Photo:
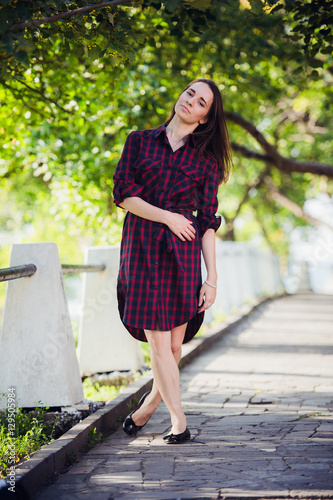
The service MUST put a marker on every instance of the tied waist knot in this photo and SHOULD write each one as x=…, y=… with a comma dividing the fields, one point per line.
x=173, y=243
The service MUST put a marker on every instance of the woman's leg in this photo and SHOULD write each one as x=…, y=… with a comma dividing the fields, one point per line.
x=165, y=348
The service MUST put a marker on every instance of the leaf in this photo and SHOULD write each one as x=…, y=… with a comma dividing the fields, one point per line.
x=111, y=18
x=256, y=7
x=22, y=57
x=19, y=78
x=200, y=4
x=315, y=63
x=3, y=24
x=171, y=5
x=327, y=50
x=276, y=8
x=315, y=75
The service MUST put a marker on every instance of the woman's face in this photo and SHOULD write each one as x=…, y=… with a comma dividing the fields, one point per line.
x=194, y=103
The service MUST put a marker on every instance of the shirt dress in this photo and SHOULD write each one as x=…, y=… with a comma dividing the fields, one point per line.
x=160, y=275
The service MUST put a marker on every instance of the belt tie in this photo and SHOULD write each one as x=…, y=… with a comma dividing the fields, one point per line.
x=172, y=241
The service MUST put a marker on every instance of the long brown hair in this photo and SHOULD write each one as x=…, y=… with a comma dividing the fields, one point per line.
x=211, y=137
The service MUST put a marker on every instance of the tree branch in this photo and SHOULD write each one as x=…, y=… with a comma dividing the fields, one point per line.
x=70, y=13
x=276, y=195
x=252, y=129
x=230, y=220
x=248, y=153
x=17, y=95
x=272, y=156
x=44, y=97
x=265, y=232
x=255, y=185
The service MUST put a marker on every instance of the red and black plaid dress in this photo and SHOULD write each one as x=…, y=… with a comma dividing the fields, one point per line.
x=160, y=275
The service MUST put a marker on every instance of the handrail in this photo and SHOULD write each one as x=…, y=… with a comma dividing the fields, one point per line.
x=12, y=273
x=71, y=269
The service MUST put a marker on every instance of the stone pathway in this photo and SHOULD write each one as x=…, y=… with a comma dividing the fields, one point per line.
x=260, y=409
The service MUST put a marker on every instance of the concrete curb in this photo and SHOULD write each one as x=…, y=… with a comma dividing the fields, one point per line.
x=46, y=463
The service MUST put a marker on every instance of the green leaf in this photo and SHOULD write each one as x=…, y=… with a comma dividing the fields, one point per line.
x=3, y=24
x=22, y=56
x=171, y=5
x=315, y=63
x=256, y=7
x=200, y=4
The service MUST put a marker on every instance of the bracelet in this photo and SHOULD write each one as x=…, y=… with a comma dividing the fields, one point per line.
x=210, y=284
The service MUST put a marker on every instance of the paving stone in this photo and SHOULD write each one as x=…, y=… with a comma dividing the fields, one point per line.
x=259, y=406
x=131, y=478
x=124, y=464
x=71, y=478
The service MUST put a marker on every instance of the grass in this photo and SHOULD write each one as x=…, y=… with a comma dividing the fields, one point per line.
x=31, y=433
x=94, y=391
x=94, y=438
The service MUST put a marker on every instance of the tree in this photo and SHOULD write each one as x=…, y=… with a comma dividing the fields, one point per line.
x=68, y=114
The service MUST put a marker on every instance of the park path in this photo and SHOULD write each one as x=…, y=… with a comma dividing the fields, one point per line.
x=260, y=409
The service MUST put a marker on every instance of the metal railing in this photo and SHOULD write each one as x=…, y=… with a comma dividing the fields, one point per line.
x=26, y=270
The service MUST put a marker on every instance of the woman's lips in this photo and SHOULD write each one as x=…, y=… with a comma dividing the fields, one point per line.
x=186, y=109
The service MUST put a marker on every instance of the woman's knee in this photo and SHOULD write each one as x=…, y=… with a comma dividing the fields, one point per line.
x=176, y=345
x=177, y=337
x=159, y=342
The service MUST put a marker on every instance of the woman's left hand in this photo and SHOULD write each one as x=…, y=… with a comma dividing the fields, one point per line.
x=207, y=297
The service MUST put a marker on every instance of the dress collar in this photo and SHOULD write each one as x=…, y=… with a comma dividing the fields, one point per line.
x=162, y=128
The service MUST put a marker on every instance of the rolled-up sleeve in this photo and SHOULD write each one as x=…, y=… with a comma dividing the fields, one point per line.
x=123, y=179
x=206, y=215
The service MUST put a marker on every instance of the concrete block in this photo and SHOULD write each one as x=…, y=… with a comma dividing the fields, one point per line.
x=37, y=348
x=104, y=344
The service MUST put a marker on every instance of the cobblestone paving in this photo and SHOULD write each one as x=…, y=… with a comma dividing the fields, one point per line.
x=259, y=407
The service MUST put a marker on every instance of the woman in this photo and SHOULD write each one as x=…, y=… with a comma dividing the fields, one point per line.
x=162, y=178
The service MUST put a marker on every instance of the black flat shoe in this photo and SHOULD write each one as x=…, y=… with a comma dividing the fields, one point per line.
x=178, y=438
x=129, y=425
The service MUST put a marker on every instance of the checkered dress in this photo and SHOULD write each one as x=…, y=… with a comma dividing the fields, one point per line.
x=160, y=275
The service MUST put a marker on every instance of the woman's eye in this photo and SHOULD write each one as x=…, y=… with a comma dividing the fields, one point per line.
x=201, y=104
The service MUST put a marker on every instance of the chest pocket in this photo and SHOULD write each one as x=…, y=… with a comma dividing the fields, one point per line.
x=193, y=175
x=146, y=164
x=147, y=171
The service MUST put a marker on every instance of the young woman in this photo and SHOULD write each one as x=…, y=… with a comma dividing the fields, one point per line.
x=167, y=179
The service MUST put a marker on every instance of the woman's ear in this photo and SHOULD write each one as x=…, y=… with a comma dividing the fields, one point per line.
x=203, y=120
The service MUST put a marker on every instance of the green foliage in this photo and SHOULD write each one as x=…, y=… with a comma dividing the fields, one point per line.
x=105, y=32
x=146, y=353
x=94, y=437
x=92, y=78
x=311, y=24
x=71, y=458
x=30, y=434
x=97, y=392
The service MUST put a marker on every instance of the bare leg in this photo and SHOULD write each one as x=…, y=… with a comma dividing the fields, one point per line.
x=171, y=342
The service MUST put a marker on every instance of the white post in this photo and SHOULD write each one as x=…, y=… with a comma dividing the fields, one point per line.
x=304, y=284
x=255, y=271
x=243, y=266
x=37, y=348
x=279, y=288
x=104, y=343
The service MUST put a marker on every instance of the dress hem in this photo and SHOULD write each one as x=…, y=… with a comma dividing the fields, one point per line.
x=193, y=325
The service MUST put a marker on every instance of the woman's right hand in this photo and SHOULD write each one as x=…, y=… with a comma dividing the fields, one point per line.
x=180, y=226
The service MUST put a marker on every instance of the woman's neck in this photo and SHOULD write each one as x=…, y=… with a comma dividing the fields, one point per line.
x=177, y=129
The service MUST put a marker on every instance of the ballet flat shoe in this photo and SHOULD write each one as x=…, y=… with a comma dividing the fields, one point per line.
x=129, y=425
x=178, y=438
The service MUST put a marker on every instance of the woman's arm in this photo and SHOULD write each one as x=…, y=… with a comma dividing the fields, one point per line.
x=207, y=293
x=179, y=225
